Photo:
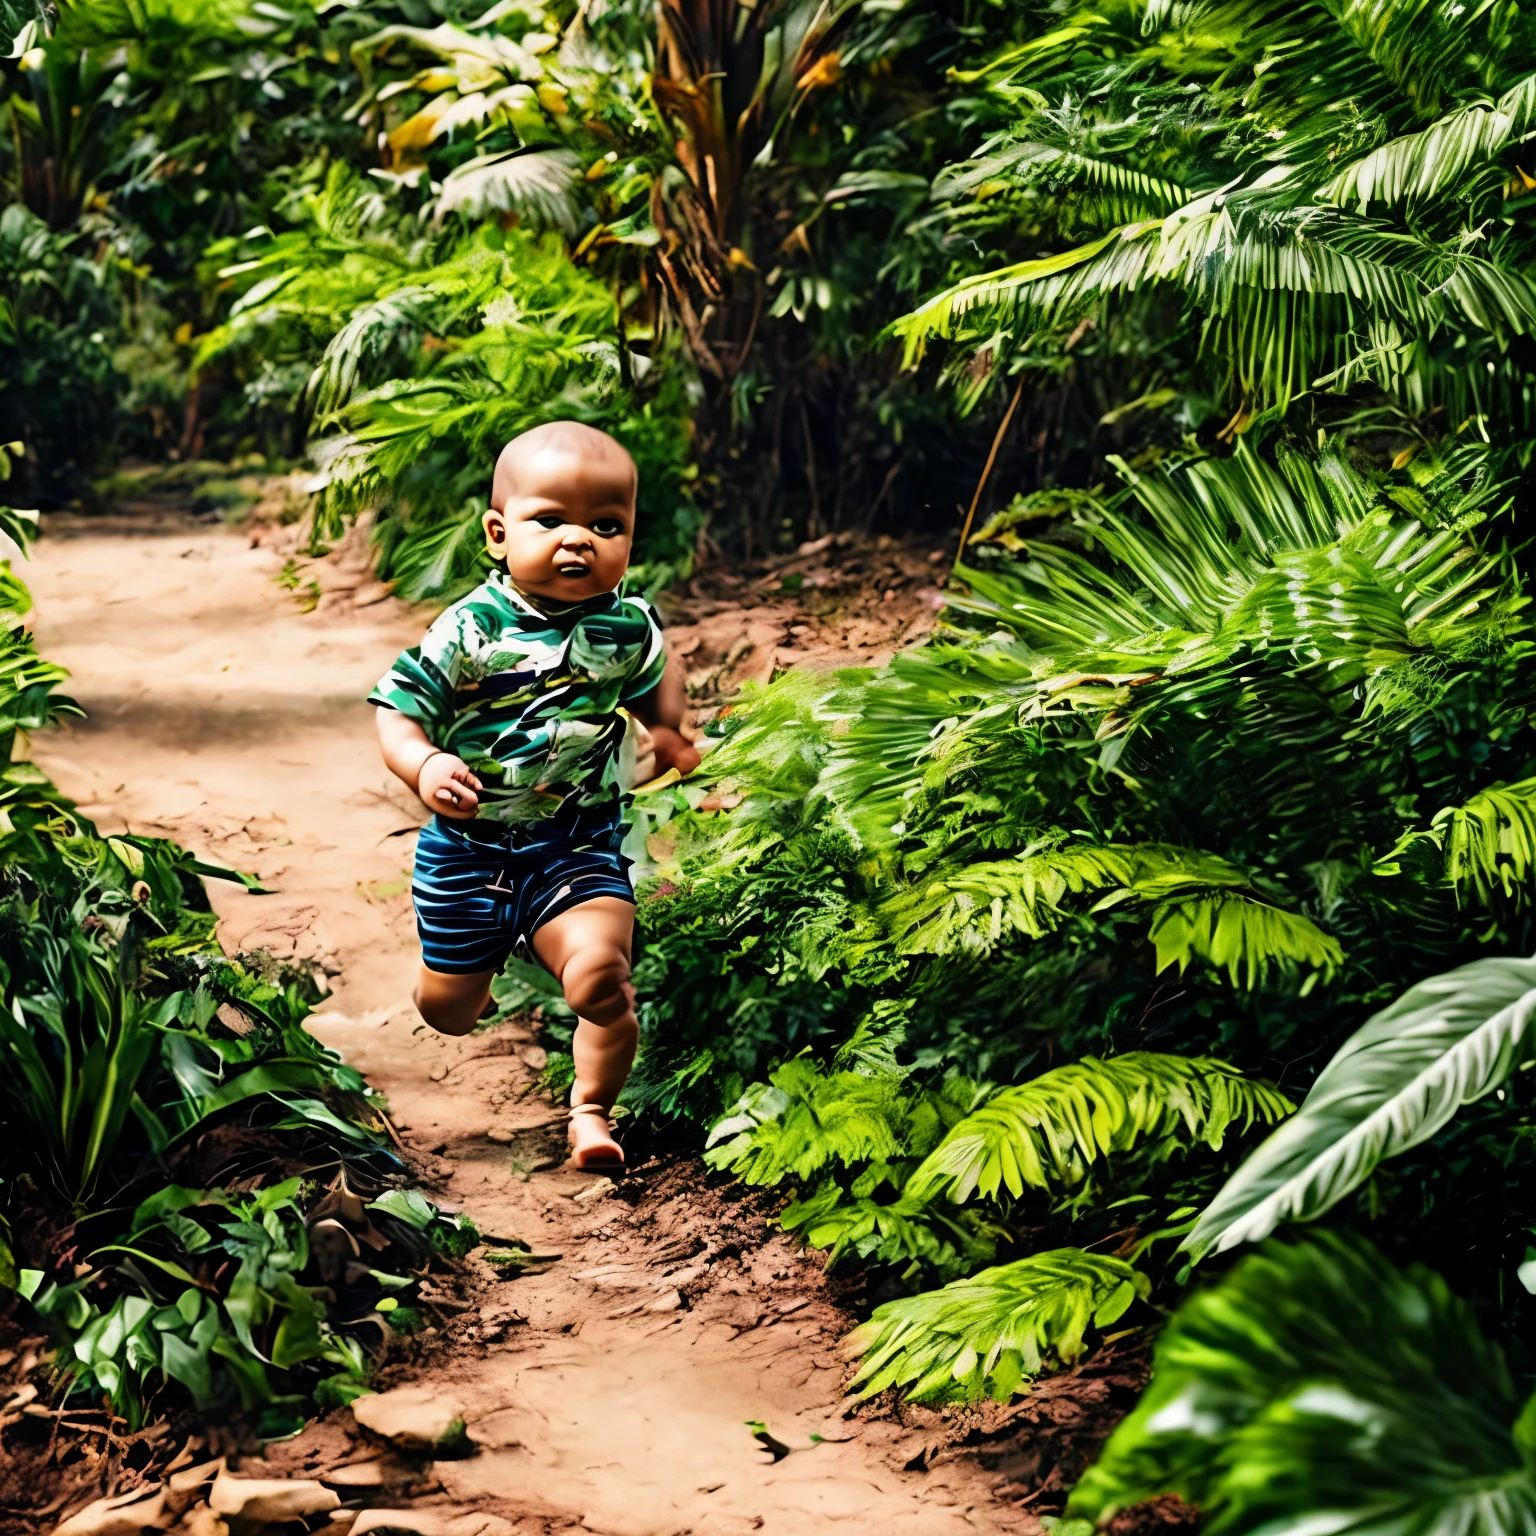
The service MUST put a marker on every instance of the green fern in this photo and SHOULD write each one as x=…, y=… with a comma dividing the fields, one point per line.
x=989, y=1335
x=1048, y=1134
x=971, y=909
x=1490, y=841
x=803, y=1121
x=912, y=1235
x=1242, y=936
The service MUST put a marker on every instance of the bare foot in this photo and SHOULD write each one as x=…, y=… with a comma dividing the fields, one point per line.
x=592, y=1143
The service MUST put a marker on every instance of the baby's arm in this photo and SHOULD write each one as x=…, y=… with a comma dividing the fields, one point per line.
x=442, y=780
x=661, y=712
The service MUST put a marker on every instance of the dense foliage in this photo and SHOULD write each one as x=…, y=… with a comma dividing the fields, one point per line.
x=156, y=1099
x=1174, y=893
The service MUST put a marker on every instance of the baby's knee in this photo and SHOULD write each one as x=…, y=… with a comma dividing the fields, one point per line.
x=448, y=1015
x=597, y=986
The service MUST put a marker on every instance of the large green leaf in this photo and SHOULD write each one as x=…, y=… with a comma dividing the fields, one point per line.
x=1392, y=1085
x=1319, y=1389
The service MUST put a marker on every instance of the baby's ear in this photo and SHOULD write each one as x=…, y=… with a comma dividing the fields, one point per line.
x=495, y=526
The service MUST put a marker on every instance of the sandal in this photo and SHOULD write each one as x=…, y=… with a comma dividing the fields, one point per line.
x=598, y=1158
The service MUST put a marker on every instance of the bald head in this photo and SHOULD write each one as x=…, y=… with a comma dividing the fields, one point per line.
x=531, y=457
x=562, y=514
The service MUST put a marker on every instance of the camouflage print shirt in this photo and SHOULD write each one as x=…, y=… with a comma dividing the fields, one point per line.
x=528, y=696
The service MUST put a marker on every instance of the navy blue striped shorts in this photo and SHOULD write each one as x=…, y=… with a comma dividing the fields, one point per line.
x=542, y=869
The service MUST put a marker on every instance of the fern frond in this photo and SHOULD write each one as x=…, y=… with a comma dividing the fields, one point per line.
x=1423, y=165
x=1047, y=1134
x=989, y=1335
x=971, y=909
x=1245, y=937
x=905, y=1231
x=802, y=1121
x=1490, y=841
x=1029, y=163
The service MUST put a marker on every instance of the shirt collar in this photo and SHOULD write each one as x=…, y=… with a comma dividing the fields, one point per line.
x=548, y=607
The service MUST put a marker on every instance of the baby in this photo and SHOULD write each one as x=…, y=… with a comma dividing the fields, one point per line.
x=505, y=721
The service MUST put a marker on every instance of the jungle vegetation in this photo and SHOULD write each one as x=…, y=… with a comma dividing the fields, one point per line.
x=1174, y=896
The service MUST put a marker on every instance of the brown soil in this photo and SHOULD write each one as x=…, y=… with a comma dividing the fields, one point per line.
x=613, y=1391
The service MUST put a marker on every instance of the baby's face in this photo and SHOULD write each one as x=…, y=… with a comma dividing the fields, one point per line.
x=567, y=523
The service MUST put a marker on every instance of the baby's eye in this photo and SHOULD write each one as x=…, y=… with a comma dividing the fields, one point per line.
x=607, y=527
x=549, y=521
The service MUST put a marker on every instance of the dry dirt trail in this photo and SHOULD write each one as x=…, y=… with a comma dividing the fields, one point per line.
x=608, y=1394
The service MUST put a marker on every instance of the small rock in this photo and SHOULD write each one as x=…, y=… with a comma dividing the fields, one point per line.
x=250, y=1502
x=128, y=1514
x=534, y=1057
x=361, y=1474
x=413, y=1419
x=595, y=1191
x=668, y=1301
x=499, y=1134
x=438, y=1073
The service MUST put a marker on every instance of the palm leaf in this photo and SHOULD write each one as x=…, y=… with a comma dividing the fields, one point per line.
x=1427, y=164
x=538, y=185
x=988, y=1335
x=1318, y=1388
x=1241, y=935
x=1490, y=841
x=1402, y=1076
x=1047, y=1134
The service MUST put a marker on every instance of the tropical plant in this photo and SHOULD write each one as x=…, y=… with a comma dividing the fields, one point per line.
x=1328, y=198
x=1397, y=1081
x=989, y=1335
x=126, y=1035
x=1318, y=1384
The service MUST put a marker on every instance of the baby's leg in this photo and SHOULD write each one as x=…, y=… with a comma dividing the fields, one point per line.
x=587, y=948
x=451, y=1003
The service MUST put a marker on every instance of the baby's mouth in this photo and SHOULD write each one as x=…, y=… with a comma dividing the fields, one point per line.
x=572, y=570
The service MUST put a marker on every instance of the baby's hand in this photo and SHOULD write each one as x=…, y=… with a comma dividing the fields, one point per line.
x=446, y=786
x=673, y=750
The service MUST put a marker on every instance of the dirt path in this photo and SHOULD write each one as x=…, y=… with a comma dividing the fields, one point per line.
x=609, y=1394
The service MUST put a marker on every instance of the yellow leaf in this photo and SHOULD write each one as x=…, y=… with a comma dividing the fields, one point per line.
x=552, y=98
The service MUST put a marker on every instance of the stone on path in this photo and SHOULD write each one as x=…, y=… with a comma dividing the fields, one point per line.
x=129, y=1514
x=251, y=1502
x=414, y=1419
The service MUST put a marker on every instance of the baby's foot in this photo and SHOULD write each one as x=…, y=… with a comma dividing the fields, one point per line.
x=592, y=1143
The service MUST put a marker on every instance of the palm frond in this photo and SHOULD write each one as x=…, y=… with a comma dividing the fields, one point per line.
x=1047, y=1134
x=374, y=332
x=1427, y=164
x=538, y=185
x=1490, y=841
x=1317, y=1386
x=989, y=1335
x=1241, y=935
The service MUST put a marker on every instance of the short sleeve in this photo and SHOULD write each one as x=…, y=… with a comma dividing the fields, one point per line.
x=651, y=658
x=421, y=683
